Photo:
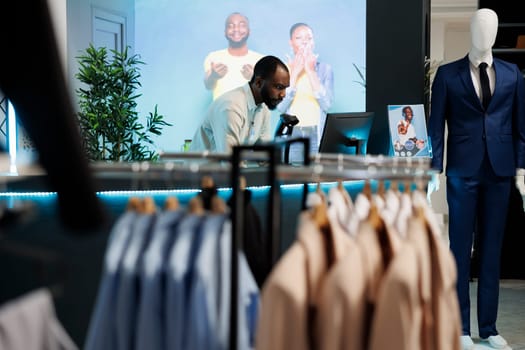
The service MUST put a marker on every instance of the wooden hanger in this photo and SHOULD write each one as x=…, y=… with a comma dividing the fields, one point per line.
x=218, y=205
x=319, y=215
x=319, y=190
x=340, y=186
x=148, y=206
x=208, y=191
x=367, y=189
x=134, y=204
x=381, y=188
x=384, y=240
x=195, y=206
x=394, y=185
x=421, y=185
x=407, y=187
x=171, y=204
x=419, y=212
x=207, y=182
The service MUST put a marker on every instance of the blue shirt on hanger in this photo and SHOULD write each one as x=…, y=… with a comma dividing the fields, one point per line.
x=128, y=290
x=179, y=266
x=150, y=332
x=204, y=288
x=101, y=335
x=248, y=295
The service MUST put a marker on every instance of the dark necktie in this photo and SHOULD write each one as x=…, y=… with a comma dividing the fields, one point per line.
x=485, y=85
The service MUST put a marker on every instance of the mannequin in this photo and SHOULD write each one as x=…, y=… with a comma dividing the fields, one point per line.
x=483, y=30
x=485, y=145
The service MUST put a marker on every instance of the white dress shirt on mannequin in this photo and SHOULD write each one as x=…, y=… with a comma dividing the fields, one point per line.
x=483, y=30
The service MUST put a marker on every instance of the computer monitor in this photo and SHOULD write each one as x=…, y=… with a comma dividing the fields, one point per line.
x=346, y=133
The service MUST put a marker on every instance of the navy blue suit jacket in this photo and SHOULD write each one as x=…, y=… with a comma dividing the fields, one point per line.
x=501, y=128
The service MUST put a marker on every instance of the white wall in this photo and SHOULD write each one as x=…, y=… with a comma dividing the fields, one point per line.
x=79, y=28
x=58, y=10
x=449, y=31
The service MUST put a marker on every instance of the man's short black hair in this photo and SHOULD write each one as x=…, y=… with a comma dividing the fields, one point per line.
x=266, y=67
x=406, y=108
x=235, y=13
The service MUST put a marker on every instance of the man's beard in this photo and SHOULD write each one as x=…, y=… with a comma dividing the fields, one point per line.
x=237, y=44
x=270, y=103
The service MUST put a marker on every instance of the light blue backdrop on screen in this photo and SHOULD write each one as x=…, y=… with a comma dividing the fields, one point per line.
x=174, y=36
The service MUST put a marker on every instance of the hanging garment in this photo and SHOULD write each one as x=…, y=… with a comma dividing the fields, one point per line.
x=340, y=206
x=254, y=240
x=151, y=333
x=166, y=281
x=360, y=212
x=445, y=306
x=29, y=323
x=351, y=288
x=128, y=293
x=181, y=257
x=404, y=214
x=392, y=205
x=248, y=292
x=290, y=296
x=416, y=304
x=101, y=334
x=402, y=317
x=203, y=316
x=343, y=305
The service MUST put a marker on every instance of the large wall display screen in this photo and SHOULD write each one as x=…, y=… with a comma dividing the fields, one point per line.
x=173, y=38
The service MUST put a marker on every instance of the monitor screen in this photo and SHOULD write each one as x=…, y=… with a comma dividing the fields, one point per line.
x=346, y=133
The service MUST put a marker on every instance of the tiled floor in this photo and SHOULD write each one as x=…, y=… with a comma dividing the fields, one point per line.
x=511, y=314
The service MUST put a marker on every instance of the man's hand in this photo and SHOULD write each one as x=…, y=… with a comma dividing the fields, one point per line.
x=247, y=71
x=401, y=129
x=433, y=185
x=218, y=70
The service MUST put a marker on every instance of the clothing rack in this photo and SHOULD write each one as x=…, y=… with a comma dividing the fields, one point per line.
x=321, y=167
x=270, y=152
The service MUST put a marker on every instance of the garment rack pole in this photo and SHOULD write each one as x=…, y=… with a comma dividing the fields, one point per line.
x=273, y=153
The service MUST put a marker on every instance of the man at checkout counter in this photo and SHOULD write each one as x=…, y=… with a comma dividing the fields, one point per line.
x=242, y=115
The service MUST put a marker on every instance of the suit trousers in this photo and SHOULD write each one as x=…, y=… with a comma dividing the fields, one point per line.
x=483, y=198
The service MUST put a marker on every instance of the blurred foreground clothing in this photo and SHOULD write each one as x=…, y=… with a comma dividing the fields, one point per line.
x=30, y=323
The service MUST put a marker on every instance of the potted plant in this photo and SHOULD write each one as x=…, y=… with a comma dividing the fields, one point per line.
x=109, y=122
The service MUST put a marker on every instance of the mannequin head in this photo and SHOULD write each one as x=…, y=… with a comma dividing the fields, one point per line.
x=483, y=30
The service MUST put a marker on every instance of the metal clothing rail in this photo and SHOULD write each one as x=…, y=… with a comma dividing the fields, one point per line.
x=322, y=172
x=157, y=170
x=166, y=174
x=338, y=167
x=366, y=160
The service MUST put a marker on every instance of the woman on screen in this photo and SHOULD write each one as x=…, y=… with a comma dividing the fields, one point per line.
x=310, y=94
